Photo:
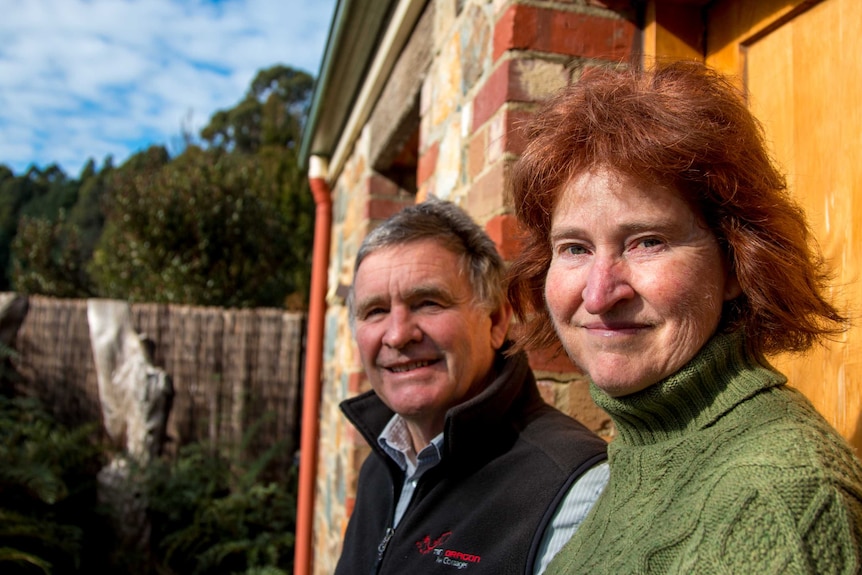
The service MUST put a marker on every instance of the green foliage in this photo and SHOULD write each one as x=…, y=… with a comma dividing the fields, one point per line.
x=52, y=192
x=228, y=225
x=47, y=490
x=87, y=217
x=47, y=258
x=41, y=250
x=213, y=515
x=34, y=194
x=208, y=228
x=271, y=113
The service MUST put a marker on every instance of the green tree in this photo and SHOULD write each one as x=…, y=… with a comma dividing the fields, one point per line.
x=87, y=215
x=55, y=227
x=47, y=259
x=271, y=113
x=15, y=193
x=207, y=228
x=51, y=192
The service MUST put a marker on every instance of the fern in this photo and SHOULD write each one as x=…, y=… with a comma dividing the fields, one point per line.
x=213, y=515
x=43, y=467
x=9, y=555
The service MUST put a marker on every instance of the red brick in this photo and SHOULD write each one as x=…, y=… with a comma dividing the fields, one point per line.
x=510, y=27
x=355, y=382
x=552, y=360
x=582, y=407
x=476, y=153
x=516, y=130
x=381, y=186
x=509, y=83
x=492, y=95
x=506, y=235
x=382, y=208
x=487, y=194
x=591, y=36
x=427, y=163
x=563, y=32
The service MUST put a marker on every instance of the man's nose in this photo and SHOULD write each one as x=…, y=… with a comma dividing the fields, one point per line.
x=401, y=329
x=607, y=284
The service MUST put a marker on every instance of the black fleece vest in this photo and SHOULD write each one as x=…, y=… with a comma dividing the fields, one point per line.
x=508, y=460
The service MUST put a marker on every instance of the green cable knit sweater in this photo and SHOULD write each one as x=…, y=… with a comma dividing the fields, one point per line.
x=721, y=468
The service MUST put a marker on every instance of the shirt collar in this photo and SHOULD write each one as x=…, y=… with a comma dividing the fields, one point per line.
x=395, y=440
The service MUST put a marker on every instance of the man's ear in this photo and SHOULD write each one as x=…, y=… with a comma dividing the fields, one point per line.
x=500, y=324
x=732, y=289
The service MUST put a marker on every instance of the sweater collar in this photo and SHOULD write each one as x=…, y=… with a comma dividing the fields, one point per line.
x=721, y=375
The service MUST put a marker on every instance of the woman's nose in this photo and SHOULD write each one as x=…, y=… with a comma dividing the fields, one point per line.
x=607, y=284
x=401, y=329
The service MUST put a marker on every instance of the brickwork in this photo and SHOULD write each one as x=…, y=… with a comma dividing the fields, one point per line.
x=490, y=62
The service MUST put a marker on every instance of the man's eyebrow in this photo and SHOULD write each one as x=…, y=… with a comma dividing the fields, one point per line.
x=369, y=302
x=428, y=290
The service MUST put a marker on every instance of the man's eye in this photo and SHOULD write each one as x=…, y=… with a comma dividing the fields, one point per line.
x=371, y=312
x=650, y=243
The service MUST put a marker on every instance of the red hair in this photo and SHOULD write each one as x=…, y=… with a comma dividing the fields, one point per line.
x=687, y=128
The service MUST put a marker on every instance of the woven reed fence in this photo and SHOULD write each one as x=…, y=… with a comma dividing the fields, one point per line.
x=232, y=370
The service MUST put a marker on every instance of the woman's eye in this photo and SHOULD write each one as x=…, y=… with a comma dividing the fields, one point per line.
x=573, y=249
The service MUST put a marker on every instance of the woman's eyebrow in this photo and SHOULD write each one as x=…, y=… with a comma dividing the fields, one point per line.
x=634, y=227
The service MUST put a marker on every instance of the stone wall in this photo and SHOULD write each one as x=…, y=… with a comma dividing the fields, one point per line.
x=488, y=63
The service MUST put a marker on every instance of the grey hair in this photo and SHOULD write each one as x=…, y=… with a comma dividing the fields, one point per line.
x=454, y=229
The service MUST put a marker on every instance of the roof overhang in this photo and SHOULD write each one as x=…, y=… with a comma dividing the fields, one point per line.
x=355, y=33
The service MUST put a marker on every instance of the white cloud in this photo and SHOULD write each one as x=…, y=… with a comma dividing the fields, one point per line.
x=88, y=78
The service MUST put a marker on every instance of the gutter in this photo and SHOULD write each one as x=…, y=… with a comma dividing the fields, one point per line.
x=398, y=31
x=312, y=387
x=324, y=76
x=354, y=39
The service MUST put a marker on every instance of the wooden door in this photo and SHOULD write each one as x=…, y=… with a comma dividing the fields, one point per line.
x=800, y=64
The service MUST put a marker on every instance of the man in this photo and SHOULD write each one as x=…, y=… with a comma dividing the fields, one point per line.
x=470, y=469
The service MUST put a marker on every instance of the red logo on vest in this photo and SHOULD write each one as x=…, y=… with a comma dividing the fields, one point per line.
x=425, y=546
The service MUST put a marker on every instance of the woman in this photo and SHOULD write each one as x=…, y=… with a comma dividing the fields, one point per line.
x=667, y=257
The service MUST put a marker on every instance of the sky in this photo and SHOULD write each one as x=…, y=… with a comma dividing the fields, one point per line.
x=83, y=79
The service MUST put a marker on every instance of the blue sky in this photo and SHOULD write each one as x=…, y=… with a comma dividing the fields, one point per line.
x=92, y=78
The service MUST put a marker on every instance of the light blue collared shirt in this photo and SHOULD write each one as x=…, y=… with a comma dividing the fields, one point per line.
x=571, y=513
x=395, y=440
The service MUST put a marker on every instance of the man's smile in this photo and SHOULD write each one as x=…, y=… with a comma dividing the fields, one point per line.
x=409, y=366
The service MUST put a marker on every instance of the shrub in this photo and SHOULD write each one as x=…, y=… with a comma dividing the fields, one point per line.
x=47, y=490
x=213, y=515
